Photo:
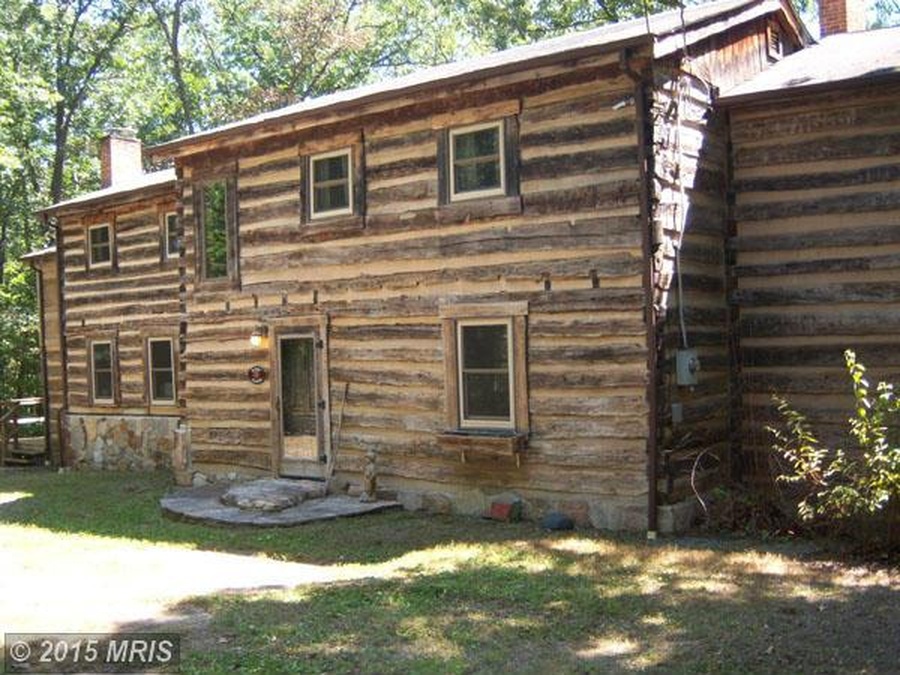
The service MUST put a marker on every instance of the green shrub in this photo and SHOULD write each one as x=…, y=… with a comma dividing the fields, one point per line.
x=855, y=490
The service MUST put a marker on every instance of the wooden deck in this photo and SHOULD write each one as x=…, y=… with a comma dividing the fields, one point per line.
x=20, y=422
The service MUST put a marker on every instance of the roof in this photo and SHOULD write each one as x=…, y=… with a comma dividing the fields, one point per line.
x=40, y=253
x=838, y=59
x=665, y=34
x=121, y=191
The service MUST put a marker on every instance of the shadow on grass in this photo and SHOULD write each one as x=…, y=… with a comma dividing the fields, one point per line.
x=502, y=617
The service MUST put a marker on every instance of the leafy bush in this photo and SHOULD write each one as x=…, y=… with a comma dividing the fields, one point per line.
x=852, y=490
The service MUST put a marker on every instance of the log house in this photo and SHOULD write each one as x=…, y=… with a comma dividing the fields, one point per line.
x=501, y=275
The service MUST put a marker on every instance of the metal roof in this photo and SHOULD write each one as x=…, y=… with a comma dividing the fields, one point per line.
x=665, y=33
x=122, y=190
x=842, y=58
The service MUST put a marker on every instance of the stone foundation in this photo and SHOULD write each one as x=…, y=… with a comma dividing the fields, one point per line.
x=120, y=442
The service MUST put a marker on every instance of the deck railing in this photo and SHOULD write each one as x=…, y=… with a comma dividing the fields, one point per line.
x=15, y=415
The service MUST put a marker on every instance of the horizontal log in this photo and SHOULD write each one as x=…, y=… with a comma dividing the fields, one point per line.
x=246, y=458
x=884, y=173
x=579, y=163
x=877, y=235
x=817, y=119
x=580, y=133
x=847, y=322
x=873, y=355
x=837, y=148
x=888, y=200
x=606, y=196
x=881, y=291
x=823, y=265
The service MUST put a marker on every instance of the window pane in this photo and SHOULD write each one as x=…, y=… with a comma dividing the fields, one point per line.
x=486, y=395
x=100, y=245
x=163, y=385
x=481, y=143
x=171, y=234
x=485, y=347
x=215, y=238
x=102, y=356
x=330, y=168
x=298, y=386
x=161, y=354
x=331, y=198
x=103, y=385
x=477, y=176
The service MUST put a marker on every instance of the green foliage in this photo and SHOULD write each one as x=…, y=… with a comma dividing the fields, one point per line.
x=19, y=350
x=835, y=485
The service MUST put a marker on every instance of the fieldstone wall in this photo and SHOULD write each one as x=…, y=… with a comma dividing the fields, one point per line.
x=122, y=442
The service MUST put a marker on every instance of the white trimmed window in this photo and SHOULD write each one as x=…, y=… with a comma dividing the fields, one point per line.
x=331, y=184
x=99, y=245
x=477, y=161
x=486, y=374
x=161, y=370
x=171, y=244
x=102, y=370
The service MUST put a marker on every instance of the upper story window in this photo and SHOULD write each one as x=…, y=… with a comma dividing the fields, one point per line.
x=171, y=244
x=99, y=245
x=215, y=209
x=161, y=370
x=331, y=184
x=480, y=162
x=477, y=161
x=215, y=231
x=102, y=372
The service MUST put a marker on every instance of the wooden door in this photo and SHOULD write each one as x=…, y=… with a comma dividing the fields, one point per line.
x=300, y=407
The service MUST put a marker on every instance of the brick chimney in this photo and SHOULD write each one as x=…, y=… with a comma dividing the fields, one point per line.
x=120, y=157
x=841, y=16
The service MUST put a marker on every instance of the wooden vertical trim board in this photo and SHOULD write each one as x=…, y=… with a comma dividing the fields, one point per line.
x=451, y=381
x=442, y=139
x=520, y=378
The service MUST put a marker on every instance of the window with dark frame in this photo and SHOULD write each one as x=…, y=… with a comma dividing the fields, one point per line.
x=331, y=184
x=214, y=227
x=161, y=367
x=171, y=244
x=485, y=374
x=102, y=387
x=477, y=161
x=99, y=245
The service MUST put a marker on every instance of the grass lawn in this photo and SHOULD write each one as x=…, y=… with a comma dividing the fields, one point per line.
x=401, y=592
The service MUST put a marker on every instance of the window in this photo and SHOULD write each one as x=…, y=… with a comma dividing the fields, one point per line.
x=102, y=381
x=476, y=161
x=485, y=367
x=215, y=231
x=171, y=244
x=331, y=184
x=215, y=209
x=485, y=374
x=99, y=246
x=161, y=370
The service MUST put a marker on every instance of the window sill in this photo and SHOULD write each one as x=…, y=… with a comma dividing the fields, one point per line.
x=484, y=442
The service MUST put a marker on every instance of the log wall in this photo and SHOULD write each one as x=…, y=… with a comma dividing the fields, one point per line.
x=569, y=244
x=817, y=211
x=135, y=298
x=690, y=222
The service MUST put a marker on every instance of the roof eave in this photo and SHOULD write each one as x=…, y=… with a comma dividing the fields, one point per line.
x=183, y=146
x=125, y=196
x=808, y=90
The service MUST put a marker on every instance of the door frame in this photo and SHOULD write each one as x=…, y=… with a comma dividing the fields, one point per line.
x=303, y=326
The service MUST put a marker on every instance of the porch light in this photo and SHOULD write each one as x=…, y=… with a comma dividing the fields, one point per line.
x=259, y=338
